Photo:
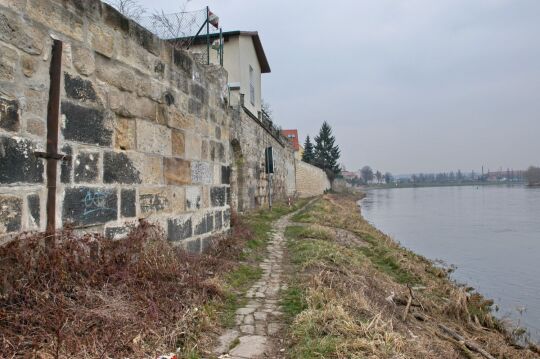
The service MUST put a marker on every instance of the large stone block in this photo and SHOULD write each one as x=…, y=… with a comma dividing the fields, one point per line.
x=183, y=61
x=199, y=93
x=144, y=38
x=225, y=174
x=179, y=228
x=193, y=198
x=10, y=214
x=18, y=162
x=217, y=151
x=102, y=39
x=178, y=143
x=115, y=74
x=153, y=138
x=128, y=203
x=201, y=172
x=218, y=221
x=86, y=167
x=34, y=210
x=87, y=125
x=30, y=65
x=57, y=17
x=153, y=201
x=36, y=127
x=14, y=31
x=119, y=168
x=66, y=166
x=125, y=134
x=84, y=61
x=205, y=224
x=8, y=63
x=193, y=146
x=79, y=89
x=177, y=171
x=218, y=196
x=83, y=206
x=129, y=105
x=9, y=115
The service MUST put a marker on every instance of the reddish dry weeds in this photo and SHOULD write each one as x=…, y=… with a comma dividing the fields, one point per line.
x=87, y=296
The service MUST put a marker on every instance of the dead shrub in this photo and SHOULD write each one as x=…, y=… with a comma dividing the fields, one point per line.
x=83, y=295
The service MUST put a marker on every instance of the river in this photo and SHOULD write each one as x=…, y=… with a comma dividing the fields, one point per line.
x=491, y=233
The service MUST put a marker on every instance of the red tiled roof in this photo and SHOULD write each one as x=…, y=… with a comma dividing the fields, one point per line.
x=292, y=135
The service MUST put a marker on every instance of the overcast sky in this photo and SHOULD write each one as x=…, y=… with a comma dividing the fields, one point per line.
x=408, y=86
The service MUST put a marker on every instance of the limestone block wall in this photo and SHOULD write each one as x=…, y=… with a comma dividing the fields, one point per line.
x=310, y=180
x=250, y=138
x=146, y=126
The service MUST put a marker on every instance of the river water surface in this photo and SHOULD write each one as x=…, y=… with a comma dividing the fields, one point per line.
x=491, y=233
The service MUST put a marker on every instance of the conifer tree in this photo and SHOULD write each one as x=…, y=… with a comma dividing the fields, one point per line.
x=326, y=152
x=308, y=155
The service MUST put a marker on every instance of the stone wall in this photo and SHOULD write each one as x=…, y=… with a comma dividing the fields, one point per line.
x=146, y=126
x=310, y=180
x=250, y=137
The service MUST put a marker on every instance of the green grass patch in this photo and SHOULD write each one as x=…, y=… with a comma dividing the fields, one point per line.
x=385, y=260
x=293, y=301
x=243, y=276
x=316, y=252
x=311, y=348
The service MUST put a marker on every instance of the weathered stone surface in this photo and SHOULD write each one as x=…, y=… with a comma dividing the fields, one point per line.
x=183, y=61
x=125, y=134
x=66, y=166
x=251, y=346
x=116, y=233
x=153, y=200
x=87, y=125
x=129, y=105
x=201, y=172
x=86, y=167
x=177, y=119
x=218, y=222
x=194, y=246
x=79, y=89
x=193, y=146
x=205, y=151
x=217, y=196
x=36, y=100
x=56, y=16
x=199, y=93
x=179, y=228
x=29, y=65
x=178, y=147
x=33, y=210
x=88, y=206
x=226, y=218
x=217, y=132
x=128, y=206
x=217, y=151
x=102, y=40
x=15, y=32
x=144, y=38
x=10, y=214
x=18, y=163
x=36, y=127
x=118, y=168
x=8, y=63
x=83, y=60
x=225, y=174
x=153, y=138
x=9, y=115
x=177, y=171
x=115, y=74
x=195, y=107
x=193, y=198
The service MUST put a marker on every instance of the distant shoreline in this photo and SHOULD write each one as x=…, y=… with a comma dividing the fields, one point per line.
x=424, y=185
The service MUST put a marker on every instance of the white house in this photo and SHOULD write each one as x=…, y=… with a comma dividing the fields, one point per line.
x=245, y=61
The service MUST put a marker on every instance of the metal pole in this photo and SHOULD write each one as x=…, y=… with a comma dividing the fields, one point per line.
x=208, y=35
x=270, y=190
x=221, y=46
x=53, y=115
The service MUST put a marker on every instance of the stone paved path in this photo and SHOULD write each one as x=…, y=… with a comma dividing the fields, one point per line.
x=258, y=324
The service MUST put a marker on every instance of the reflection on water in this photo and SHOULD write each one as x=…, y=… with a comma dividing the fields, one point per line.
x=492, y=235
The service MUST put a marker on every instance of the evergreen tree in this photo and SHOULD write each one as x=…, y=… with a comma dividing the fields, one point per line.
x=308, y=155
x=327, y=153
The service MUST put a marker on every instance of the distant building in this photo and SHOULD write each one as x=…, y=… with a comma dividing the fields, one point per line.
x=349, y=175
x=292, y=136
x=245, y=61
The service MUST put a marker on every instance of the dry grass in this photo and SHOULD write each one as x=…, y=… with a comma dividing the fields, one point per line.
x=346, y=289
x=84, y=296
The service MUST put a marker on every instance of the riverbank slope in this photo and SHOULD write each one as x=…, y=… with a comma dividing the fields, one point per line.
x=354, y=292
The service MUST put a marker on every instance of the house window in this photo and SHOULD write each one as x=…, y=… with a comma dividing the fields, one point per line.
x=251, y=86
